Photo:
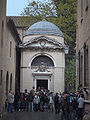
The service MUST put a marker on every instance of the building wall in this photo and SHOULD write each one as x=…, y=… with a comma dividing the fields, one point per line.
x=83, y=38
x=2, y=44
x=7, y=60
x=9, y=65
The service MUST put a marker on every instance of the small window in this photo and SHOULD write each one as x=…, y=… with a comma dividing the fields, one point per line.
x=86, y=5
x=11, y=81
x=2, y=30
x=81, y=11
x=87, y=69
x=1, y=78
x=81, y=69
x=10, y=48
x=81, y=8
x=7, y=80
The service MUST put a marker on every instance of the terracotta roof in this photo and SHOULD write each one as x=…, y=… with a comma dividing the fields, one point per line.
x=23, y=21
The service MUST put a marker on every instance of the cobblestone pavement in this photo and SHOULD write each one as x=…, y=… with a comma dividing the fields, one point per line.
x=31, y=116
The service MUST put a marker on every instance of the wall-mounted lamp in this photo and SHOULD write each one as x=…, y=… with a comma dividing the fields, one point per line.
x=86, y=89
x=66, y=49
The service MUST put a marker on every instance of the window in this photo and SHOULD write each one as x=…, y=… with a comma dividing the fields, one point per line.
x=11, y=81
x=87, y=77
x=2, y=30
x=81, y=8
x=7, y=78
x=81, y=11
x=1, y=78
x=10, y=48
x=42, y=58
x=86, y=5
x=84, y=46
x=81, y=78
x=79, y=66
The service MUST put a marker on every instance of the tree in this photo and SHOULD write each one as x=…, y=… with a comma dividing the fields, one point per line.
x=66, y=19
x=63, y=14
x=39, y=9
x=60, y=12
x=70, y=72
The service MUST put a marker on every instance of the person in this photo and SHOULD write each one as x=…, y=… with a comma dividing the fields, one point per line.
x=6, y=104
x=70, y=106
x=36, y=102
x=59, y=95
x=47, y=101
x=16, y=99
x=64, y=106
x=75, y=107
x=10, y=99
x=25, y=99
x=30, y=99
x=56, y=103
x=51, y=102
x=22, y=101
x=42, y=100
x=39, y=89
x=80, y=107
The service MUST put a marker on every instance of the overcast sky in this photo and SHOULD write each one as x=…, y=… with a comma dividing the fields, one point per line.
x=14, y=7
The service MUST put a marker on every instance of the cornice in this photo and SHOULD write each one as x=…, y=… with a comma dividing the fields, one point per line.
x=44, y=49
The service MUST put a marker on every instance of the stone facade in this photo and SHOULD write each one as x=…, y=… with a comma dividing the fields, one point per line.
x=2, y=39
x=9, y=41
x=83, y=47
x=31, y=49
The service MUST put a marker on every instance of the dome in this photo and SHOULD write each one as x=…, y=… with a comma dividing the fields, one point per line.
x=42, y=28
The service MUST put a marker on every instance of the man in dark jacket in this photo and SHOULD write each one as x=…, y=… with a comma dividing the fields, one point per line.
x=56, y=103
x=64, y=106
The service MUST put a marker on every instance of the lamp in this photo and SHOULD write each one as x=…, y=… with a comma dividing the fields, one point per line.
x=66, y=49
x=86, y=89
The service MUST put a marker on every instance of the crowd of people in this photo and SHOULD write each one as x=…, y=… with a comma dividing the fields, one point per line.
x=70, y=105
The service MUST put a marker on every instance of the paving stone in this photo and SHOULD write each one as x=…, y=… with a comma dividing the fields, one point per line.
x=31, y=116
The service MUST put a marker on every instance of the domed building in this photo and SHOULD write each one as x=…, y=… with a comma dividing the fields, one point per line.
x=43, y=57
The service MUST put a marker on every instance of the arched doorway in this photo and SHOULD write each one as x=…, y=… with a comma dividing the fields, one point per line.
x=43, y=76
x=7, y=78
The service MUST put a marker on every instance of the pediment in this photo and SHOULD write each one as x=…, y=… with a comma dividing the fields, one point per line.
x=42, y=42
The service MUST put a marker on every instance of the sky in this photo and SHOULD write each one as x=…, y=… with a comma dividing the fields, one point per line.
x=14, y=7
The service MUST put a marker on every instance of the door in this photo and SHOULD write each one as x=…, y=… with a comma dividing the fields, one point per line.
x=42, y=83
